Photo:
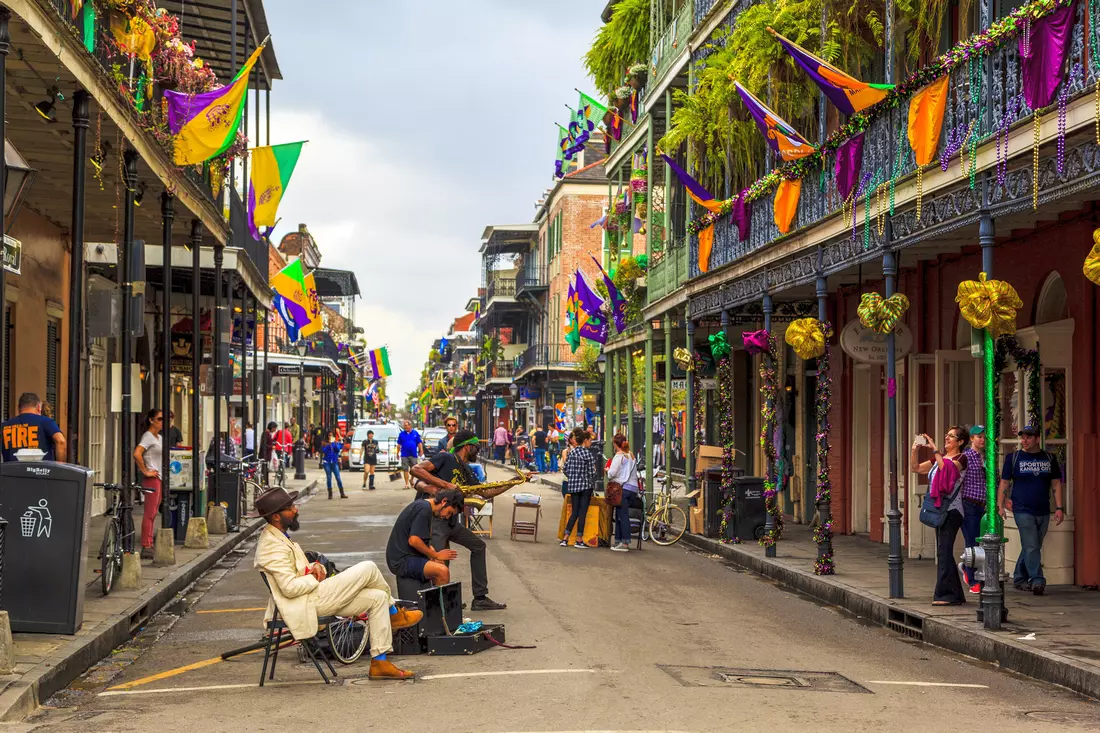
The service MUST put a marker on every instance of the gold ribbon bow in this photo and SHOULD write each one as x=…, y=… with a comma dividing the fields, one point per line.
x=882, y=314
x=683, y=358
x=1092, y=262
x=806, y=337
x=989, y=304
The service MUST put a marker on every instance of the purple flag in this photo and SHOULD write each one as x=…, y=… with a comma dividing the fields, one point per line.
x=741, y=215
x=618, y=302
x=1046, y=50
x=848, y=94
x=594, y=329
x=780, y=136
x=849, y=160
x=586, y=296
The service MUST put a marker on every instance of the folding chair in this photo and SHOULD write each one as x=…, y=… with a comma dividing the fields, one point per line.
x=526, y=527
x=275, y=629
x=477, y=510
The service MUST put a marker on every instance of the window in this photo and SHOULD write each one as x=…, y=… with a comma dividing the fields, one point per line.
x=1053, y=305
x=53, y=344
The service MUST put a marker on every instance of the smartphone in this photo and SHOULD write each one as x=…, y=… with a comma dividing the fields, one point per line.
x=920, y=440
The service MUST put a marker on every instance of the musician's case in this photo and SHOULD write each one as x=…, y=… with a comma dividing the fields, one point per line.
x=451, y=646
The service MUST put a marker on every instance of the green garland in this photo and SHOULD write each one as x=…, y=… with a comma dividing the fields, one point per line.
x=725, y=416
x=769, y=390
x=1029, y=361
x=975, y=47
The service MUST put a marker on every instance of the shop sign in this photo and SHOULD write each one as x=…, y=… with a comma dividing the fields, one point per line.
x=868, y=347
x=13, y=254
x=679, y=384
x=288, y=370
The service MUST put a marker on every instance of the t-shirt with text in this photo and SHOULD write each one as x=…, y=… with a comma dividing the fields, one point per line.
x=30, y=430
x=1031, y=475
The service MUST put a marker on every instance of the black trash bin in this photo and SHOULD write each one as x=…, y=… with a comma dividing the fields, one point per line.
x=48, y=506
x=712, y=501
x=749, y=513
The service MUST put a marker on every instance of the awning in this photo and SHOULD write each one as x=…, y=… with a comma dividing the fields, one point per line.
x=291, y=365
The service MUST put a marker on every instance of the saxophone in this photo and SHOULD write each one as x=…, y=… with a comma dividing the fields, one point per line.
x=491, y=489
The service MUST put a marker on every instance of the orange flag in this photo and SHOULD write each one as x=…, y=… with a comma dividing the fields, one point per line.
x=926, y=119
x=706, y=243
x=786, y=203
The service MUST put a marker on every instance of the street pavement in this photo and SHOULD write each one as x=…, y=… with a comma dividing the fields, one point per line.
x=663, y=639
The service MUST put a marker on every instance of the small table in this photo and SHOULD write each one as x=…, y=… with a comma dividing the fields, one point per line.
x=603, y=516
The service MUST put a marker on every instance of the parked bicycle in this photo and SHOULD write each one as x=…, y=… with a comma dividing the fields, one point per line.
x=666, y=521
x=118, y=538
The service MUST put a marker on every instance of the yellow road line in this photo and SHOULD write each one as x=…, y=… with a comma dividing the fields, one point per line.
x=233, y=610
x=166, y=674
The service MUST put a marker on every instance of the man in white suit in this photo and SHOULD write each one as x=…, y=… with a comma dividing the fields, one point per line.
x=302, y=591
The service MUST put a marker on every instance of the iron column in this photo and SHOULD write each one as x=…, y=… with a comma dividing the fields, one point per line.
x=300, y=445
x=647, y=428
x=824, y=504
x=168, y=216
x=689, y=417
x=126, y=271
x=5, y=45
x=666, y=443
x=216, y=357
x=76, y=274
x=769, y=470
x=991, y=611
x=893, y=516
x=198, y=495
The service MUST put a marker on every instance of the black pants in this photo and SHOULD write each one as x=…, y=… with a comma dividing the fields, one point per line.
x=443, y=531
x=948, y=585
x=580, y=500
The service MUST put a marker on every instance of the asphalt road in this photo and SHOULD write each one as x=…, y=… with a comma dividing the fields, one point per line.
x=664, y=639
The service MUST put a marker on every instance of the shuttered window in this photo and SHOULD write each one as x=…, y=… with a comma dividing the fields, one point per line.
x=7, y=361
x=53, y=344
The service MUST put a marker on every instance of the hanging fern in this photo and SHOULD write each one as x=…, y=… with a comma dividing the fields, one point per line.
x=619, y=44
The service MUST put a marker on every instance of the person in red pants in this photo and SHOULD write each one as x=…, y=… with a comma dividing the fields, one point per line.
x=147, y=455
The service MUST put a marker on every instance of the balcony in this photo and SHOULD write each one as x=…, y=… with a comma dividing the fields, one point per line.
x=948, y=200
x=668, y=273
x=500, y=287
x=545, y=356
x=672, y=42
x=702, y=9
x=500, y=371
x=531, y=279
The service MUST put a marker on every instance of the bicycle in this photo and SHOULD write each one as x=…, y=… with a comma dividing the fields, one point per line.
x=661, y=517
x=118, y=538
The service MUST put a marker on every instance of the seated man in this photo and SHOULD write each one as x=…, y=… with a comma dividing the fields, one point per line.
x=303, y=592
x=408, y=553
x=439, y=474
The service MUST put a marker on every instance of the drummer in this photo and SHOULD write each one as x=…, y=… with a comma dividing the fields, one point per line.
x=440, y=472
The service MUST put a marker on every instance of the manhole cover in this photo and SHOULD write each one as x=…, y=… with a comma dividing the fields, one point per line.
x=788, y=679
x=1053, y=716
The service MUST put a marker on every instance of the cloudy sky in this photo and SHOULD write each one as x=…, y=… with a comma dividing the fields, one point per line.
x=427, y=121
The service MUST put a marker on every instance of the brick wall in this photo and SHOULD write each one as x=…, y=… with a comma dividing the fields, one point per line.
x=580, y=244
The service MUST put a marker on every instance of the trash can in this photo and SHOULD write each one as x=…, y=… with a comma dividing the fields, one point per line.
x=179, y=506
x=749, y=513
x=712, y=501
x=45, y=568
x=229, y=487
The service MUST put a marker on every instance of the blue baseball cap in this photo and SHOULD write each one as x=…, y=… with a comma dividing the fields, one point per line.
x=1029, y=430
x=977, y=430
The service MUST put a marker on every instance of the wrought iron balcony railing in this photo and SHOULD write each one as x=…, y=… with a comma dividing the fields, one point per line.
x=530, y=277
x=546, y=356
x=672, y=41
x=501, y=287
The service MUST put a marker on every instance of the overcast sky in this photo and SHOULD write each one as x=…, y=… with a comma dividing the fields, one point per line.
x=427, y=121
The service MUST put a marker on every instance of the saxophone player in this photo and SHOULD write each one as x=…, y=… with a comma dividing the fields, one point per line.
x=440, y=473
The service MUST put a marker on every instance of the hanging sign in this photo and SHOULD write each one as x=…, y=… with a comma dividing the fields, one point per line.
x=13, y=255
x=868, y=347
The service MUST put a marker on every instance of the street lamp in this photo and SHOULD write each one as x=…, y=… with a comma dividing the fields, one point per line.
x=300, y=444
x=601, y=363
x=513, y=389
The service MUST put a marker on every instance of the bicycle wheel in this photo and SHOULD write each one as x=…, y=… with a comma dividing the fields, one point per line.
x=280, y=476
x=663, y=529
x=108, y=551
x=347, y=638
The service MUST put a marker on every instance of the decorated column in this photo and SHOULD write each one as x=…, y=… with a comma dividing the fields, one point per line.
x=647, y=427
x=823, y=533
x=689, y=418
x=720, y=350
x=769, y=387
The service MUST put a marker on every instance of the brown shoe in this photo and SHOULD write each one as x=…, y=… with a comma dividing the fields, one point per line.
x=384, y=669
x=405, y=618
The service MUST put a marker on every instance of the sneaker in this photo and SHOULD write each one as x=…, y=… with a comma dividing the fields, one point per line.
x=976, y=588
x=580, y=545
x=485, y=603
x=563, y=543
x=962, y=574
x=1022, y=586
x=621, y=547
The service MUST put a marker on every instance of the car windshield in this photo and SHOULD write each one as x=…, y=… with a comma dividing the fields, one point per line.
x=382, y=433
x=434, y=434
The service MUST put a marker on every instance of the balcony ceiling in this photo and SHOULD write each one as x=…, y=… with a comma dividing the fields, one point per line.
x=335, y=283
x=208, y=24
x=48, y=148
x=508, y=239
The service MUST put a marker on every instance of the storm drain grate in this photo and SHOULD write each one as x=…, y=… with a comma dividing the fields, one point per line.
x=906, y=624
x=786, y=679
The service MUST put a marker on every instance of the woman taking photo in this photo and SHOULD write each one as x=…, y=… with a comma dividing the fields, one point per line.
x=624, y=471
x=580, y=481
x=947, y=492
x=147, y=456
x=330, y=460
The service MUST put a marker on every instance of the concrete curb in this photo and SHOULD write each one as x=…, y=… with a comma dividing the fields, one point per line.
x=977, y=643
x=23, y=697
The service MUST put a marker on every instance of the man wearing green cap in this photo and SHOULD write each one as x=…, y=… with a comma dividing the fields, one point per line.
x=440, y=472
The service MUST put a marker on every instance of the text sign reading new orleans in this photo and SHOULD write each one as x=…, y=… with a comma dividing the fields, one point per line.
x=868, y=347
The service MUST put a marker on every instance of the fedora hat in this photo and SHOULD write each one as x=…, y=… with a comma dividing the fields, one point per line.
x=273, y=501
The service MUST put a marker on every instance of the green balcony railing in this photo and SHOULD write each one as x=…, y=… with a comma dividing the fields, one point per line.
x=672, y=42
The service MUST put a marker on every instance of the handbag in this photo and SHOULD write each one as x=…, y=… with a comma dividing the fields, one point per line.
x=934, y=516
x=614, y=494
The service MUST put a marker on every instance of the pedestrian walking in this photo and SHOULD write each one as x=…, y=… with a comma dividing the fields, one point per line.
x=553, y=441
x=624, y=471
x=946, y=472
x=412, y=447
x=540, y=440
x=331, y=463
x=973, y=496
x=249, y=441
x=370, y=459
x=1033, y=473
x=580, y=475
x=500, y=442
x=148, y=455
x=32, y=430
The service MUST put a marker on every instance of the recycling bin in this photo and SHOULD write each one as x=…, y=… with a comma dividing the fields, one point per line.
x=45, y=558
x=749, y=511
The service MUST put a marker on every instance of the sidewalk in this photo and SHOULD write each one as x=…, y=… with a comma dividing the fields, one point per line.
x=1065, y=622
x=46, y=663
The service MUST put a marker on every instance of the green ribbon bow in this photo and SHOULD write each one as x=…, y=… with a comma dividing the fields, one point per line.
x=718, y=346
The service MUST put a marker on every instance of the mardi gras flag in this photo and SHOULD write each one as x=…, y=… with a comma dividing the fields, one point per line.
x=848, y=94
x=205, y=124
x=594, y=329
x=591, y=111
x=267, y=181
x=289, y=284
x=357, y=359
x=572, y=324
x=568, y=144
x=380, y=362
x=284, y=311
x=782, y=138
x=704, y=198
x=616, y=126
x=587, y=299
x=618, y=302
x=561, y=163
x=578, y=127
x=313, y=307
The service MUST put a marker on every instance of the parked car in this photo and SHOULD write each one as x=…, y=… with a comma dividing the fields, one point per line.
x=389, y=455
x=431, y=438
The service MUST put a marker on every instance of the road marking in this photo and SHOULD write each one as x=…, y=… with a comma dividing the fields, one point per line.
x=925, y=684
x=233, y=610
x=113, y=692
x=505, y=673
x=166, y=674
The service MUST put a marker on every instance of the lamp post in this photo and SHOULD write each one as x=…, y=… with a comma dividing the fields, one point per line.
x=300, y=445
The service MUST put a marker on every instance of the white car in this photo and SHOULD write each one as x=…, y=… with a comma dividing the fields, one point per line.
x=389, y=455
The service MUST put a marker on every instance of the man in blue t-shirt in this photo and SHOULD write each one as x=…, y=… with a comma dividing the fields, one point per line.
x=31, y=429
x=1033, y=473
x=412, y=447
